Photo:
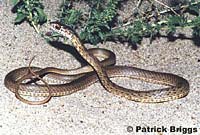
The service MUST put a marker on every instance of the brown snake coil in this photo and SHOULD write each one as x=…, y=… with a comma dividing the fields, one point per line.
x=178, y=87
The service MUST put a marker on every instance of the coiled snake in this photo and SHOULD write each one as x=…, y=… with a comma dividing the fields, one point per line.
x=178, y=87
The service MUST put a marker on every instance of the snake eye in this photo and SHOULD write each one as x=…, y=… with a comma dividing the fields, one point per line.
x=57, y=26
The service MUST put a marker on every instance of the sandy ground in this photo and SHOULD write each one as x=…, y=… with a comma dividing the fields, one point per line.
x=94, y=110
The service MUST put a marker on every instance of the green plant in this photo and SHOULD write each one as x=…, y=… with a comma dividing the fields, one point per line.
x=68, y=15
x=31, y=11
x=101, y=21
x=95, y=24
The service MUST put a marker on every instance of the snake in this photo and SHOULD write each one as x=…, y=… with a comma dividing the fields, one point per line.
x=95, y=70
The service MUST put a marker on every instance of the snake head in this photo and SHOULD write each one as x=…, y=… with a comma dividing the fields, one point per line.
x=64, y=30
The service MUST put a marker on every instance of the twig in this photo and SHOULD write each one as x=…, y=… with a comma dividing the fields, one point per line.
x=126, y=24
x=168, y=10
x=161, y=3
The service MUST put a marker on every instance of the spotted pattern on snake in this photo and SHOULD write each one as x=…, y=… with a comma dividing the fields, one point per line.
x=178, y=87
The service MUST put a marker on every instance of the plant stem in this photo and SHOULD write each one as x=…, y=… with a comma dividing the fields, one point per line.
x=35, y=27
x=32, y=22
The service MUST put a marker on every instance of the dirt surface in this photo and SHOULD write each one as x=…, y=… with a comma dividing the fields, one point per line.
x=94, y=110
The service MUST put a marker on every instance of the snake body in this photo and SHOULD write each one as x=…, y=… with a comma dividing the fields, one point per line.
x=178, y=87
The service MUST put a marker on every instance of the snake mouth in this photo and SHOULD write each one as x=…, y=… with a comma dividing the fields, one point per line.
x=52, y=31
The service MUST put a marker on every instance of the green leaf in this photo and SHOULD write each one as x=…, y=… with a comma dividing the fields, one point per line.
x=20, y=17
x=14, y=2
x=41, y=15
x=101, y=35
x=82, y=35
x=194, y=9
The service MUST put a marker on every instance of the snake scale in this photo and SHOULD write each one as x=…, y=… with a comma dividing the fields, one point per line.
x=96, y=70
